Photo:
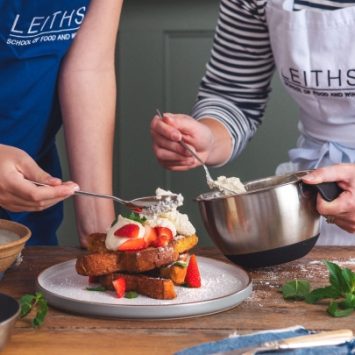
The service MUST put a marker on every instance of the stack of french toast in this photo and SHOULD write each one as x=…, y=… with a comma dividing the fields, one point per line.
x=147, y=255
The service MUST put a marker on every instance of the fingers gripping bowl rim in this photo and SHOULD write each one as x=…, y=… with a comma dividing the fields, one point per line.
x=274, y=222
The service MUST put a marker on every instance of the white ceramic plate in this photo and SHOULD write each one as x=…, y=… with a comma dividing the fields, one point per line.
x=224, y=286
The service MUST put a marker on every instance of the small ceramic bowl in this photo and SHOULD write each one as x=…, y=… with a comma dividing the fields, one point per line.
x=9, y=312
x=13, y=237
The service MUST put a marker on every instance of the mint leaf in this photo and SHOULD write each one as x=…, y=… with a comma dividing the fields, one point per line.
x=131, y=294
x=349, y=301
x=295, y=290
x=340, y=291
x=133, y=216
x=42, y=310
x=321, y=293
x=26, y=304
x=182, y=264
x=335, y=311
x=37, y=301
x=336, y=278
x=136, y=217
x=96, y=288
x=349, y=279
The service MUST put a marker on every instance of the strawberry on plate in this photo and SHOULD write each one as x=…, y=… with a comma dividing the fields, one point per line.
x=120, y=286
x=193, y=277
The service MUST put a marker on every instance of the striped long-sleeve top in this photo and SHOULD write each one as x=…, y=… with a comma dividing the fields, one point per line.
x=236, y=84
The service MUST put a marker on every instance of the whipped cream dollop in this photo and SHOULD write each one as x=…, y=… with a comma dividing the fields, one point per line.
x=231, y=184
x=167, y=201
x=113, y=242
x=171, y=218
x=180, y=221
x=161, y=222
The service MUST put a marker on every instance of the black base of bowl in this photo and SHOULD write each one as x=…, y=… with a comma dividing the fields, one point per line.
x=274, y=256
x=8, y=307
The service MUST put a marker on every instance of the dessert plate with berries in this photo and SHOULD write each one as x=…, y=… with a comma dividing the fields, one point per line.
x=223, y=286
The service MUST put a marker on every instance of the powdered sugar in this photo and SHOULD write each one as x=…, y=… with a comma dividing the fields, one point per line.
x=222, y=284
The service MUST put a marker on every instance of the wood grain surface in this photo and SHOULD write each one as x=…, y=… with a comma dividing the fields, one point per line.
x=64, y=333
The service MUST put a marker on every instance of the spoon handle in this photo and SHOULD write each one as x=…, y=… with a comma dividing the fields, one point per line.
x=191, y=151
x=86, y=193
x=115, y=198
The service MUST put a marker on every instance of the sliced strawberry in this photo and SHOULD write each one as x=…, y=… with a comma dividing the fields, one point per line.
x=130, y=230
x=120, y=286
x=150, y=235
x=133, y=244
x=165, y=235
x=193, y=278
x=164, y=231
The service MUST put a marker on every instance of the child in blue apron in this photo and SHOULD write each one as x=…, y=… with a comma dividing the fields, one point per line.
x=311, y=46
x=56, y=65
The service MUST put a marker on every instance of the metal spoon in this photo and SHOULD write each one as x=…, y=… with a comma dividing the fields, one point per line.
x=210, y=182
x=146, y=203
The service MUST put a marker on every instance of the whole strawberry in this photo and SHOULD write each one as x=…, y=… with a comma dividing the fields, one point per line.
x=193, y=278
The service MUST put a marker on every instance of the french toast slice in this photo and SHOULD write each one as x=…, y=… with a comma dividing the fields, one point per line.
x=182, y=244
x=100, y=263
x=175, y=273
x=153, y=287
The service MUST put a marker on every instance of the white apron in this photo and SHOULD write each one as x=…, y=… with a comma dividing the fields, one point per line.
x=314, y=52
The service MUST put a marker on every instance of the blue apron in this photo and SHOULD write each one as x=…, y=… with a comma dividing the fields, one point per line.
x=34, y=37
x=314, y=55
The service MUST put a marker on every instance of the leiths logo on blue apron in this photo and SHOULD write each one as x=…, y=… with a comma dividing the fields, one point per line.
x=60, y=25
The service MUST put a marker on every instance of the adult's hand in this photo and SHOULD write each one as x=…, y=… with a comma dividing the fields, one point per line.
x=207, y=137
x=17, y=193
x=341, y=211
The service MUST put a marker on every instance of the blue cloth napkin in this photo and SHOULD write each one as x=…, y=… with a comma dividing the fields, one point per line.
x=255, y=339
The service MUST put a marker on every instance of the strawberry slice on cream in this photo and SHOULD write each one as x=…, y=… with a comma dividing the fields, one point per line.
x=164, y=236
x=122, y=231
x=130, y=230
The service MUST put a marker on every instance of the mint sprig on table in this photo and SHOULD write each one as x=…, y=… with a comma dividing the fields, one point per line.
x=340, y=291
x=35, y=302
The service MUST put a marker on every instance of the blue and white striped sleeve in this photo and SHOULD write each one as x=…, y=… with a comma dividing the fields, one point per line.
x=236, y=84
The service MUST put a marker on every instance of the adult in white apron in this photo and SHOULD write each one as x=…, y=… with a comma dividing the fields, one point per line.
x=316, y=64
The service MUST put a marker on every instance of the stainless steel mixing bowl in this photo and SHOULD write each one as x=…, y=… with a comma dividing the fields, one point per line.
x=274, y=222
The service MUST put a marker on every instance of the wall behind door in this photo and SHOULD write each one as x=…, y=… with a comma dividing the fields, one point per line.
x=162, y=52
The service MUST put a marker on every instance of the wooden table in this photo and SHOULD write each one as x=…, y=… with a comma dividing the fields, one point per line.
x=64, y=333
